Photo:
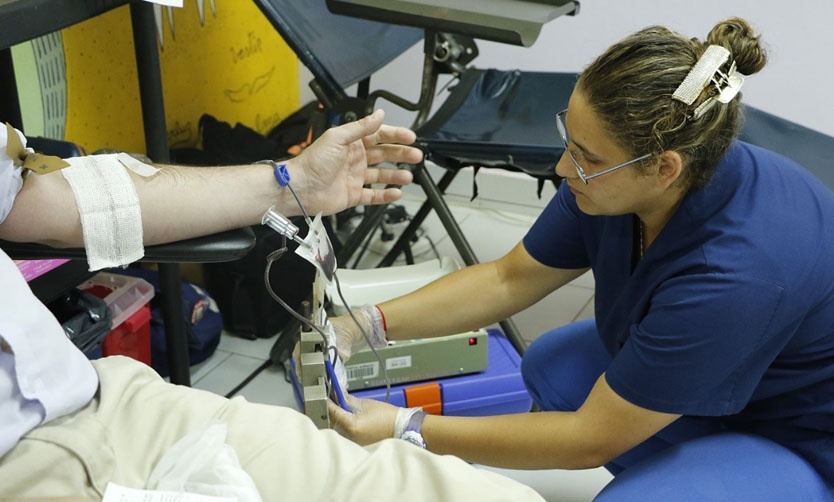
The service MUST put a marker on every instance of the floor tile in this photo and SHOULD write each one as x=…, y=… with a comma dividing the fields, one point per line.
x=229, y=374
x=201, y=370
x=557, y=485
x=270, y=387
x=587, y=311
x=258, y=348
x=558, y=308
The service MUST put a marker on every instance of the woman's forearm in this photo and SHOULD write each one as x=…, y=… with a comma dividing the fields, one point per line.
x=474, y=297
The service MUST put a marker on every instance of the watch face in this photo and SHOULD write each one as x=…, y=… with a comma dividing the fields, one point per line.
x=414, y=438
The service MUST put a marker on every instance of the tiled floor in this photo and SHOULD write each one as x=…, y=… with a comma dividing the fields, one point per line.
x=492, y=228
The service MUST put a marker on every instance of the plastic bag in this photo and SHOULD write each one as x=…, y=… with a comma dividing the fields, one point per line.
x=202, y=463
x=86, y=319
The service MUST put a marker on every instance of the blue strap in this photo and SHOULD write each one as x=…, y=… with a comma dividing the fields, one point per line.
x=337, y=389
x=282, y=175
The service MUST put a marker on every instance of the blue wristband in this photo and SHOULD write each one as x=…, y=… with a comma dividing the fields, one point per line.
x=282, y=175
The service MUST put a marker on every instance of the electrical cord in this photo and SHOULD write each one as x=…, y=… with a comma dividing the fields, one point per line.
x=274, y=256
x=367, y=340
x=300, y=206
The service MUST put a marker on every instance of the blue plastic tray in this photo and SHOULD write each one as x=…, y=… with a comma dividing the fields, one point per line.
x=498, y=390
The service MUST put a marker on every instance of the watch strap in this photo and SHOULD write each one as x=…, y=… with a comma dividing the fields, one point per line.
x=409, y=425
x=415, y=423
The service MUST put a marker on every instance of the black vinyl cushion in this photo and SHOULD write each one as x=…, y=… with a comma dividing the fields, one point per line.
x=339, y=50
x=507, y=119
x=503, y=119
x=810, y=148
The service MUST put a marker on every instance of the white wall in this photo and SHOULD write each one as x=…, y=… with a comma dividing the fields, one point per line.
x=797, y=84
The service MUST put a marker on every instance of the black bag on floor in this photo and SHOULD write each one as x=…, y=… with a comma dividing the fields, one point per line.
x=238, y=287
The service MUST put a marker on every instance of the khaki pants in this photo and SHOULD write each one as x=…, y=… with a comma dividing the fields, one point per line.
x=137, y=416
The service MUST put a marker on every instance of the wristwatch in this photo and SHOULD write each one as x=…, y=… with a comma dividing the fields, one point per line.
x=413, y=430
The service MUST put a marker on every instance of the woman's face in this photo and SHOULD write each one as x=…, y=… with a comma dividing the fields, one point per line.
x=621, y=191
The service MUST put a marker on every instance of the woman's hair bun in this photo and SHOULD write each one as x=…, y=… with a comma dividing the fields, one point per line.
x=743, y=43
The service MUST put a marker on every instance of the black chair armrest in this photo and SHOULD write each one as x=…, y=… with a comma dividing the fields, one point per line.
x=224, y=246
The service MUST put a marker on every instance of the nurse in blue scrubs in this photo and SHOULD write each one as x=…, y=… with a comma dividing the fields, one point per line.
x=708, y=371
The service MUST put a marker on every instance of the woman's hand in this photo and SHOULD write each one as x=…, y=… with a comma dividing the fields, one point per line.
x=348, y=336
x=352, y=329
x=369, y=422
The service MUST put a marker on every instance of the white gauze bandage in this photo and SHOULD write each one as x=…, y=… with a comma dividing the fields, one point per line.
x=111, y=219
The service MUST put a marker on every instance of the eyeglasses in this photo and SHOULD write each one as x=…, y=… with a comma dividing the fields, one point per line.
x=563, y=132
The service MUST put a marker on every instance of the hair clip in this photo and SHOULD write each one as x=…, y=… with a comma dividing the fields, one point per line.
x=708, y=70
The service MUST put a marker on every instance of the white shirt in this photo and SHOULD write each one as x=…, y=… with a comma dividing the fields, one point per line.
x=10, y=179
x=42, y=374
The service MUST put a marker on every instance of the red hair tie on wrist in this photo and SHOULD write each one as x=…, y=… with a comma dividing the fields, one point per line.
x=384, y=324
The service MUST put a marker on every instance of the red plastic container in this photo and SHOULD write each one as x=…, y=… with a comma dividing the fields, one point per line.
x=129, y=300
x=132, y=337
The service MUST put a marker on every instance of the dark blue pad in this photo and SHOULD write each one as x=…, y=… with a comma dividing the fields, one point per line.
x=812, y=149
x=338, y=50
x=504, y=119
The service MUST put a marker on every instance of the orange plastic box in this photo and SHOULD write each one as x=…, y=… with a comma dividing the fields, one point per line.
x=129, y=300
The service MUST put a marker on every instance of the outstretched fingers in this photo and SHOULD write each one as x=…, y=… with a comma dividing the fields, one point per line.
x=388, y=176
x=363, y=129
x=391, y=134
x=393, y=153
x=375, y=196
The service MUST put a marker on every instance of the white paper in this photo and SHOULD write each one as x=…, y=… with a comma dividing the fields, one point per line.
x=118, y=493
x=169, y=3
x=319, y=251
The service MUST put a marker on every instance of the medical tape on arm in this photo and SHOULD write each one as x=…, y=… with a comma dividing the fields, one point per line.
x=111, y=219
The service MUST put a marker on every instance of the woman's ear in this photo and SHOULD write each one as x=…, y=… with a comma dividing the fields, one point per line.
x=671, y=167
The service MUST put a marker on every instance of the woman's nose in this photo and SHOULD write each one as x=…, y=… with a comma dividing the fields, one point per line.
x=564, y=167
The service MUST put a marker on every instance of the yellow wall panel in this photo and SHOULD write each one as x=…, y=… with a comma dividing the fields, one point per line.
x=229, y=63
x=102, y=90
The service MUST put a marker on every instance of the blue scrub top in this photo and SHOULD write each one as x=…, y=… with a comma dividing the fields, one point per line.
x=730, y=312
